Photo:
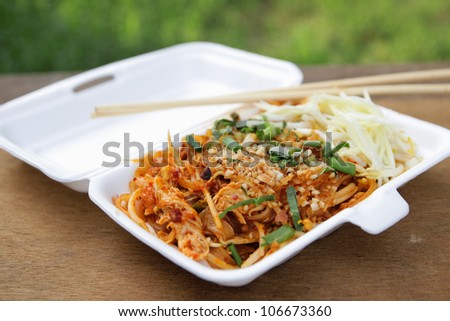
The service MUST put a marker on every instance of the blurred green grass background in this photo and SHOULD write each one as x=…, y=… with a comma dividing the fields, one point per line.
x=46, y=35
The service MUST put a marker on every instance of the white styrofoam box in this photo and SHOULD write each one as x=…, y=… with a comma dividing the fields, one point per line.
x=52, y=130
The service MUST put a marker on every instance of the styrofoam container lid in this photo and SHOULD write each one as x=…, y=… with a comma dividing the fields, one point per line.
x=52, y=128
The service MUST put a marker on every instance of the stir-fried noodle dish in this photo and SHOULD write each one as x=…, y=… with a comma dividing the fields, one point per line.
x=244, y=188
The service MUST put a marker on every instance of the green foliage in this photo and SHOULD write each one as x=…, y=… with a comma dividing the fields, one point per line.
x=46, y=35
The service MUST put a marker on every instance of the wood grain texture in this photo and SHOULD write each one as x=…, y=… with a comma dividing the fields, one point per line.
x=56, y=244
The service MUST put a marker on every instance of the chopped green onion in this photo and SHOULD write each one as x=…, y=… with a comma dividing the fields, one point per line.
x=247, y=130
x=335, y=162
x=339, y=146
x=329, y=152
x=315, y=144
x=235, y=254
x=283, y=163
x=209, y=144
x=223, y=122
x=342, y=166
x=242, y=124
x=260, y=126
x=260, y=135
x=255, y=123
x=231, y=144
x=255, y=201
x=222, y=127
x=264, y=129
x=275, y=158
x=194, y=144
x=282, y=234
x=287, y=162
x=267, y=130
x=327, y=149
x=294, y=150
x=284, y=156
x=284, y=151
x=280, y=151
x=292, y=200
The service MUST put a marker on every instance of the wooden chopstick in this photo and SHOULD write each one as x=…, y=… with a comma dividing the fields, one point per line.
x=384, y=79
x=352, y=86
x=121, y=109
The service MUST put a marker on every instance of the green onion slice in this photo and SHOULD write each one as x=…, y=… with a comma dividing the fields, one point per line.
x=275, y=158
x=247, y=130
x=294, y=150
x=223, y=123
x=282, y=234
x=222, y=127
x=287, y=162
x=231, y=144
x=327, y=150
x=280, y=151
x=338, y=147
x=255, y=201
x=267, y=131
x=342, y=166
x=193, y=143
x=241, y=124
x=315, y=144
x=292, y=200
x=235, y=254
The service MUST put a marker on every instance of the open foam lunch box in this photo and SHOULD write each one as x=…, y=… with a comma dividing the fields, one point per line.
x=52, y=130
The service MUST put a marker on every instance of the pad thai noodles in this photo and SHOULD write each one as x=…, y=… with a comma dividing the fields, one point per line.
x=246, y=187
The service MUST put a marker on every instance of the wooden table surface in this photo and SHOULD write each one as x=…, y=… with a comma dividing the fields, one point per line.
x=55, y=244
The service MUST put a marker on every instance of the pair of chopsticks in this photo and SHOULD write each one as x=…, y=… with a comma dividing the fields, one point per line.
x=386, y=84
